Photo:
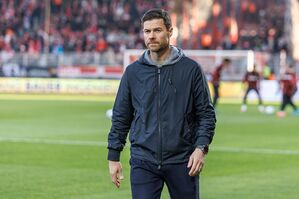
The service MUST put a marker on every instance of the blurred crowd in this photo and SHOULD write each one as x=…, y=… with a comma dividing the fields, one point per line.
x=104, y=26
x=248, y=24
x=263, y=26
x=110, y=26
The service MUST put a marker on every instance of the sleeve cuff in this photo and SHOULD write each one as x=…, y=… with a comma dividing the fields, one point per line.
x=113, y=155
x=203, y=141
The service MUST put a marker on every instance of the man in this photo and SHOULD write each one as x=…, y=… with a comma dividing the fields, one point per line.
x=252, y=79
x=163, y=99
x=216, y=77
x=288, y=84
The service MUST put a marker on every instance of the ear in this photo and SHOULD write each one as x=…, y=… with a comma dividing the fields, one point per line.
x=170, y=31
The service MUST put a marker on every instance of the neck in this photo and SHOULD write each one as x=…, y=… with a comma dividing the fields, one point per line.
x=161, y=56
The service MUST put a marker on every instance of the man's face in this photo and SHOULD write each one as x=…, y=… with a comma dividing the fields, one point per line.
x=156, y=35
x=226, y=64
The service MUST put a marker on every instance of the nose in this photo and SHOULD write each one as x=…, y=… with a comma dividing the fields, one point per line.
x=151, y=34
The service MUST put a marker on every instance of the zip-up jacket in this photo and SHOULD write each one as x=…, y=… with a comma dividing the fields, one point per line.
x=167, y=110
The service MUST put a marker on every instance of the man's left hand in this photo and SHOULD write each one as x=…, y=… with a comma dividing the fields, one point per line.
x=196, y=162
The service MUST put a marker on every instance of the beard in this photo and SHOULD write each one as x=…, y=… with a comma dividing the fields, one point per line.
x=156, y=46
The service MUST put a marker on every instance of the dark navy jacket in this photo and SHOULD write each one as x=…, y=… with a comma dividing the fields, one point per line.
x=167, y=110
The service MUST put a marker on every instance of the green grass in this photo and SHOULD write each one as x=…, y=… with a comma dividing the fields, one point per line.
x=250, y=158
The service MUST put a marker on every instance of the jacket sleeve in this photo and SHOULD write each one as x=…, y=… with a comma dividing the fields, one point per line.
x=121, y=120
x=204, y=110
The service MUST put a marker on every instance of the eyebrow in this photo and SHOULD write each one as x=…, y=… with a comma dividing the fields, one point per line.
x=158, y=28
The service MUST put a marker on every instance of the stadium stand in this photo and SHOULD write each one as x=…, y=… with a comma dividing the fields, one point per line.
x=107, y=28
x=96, y=25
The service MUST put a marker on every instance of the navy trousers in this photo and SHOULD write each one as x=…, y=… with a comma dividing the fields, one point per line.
x=147, y=180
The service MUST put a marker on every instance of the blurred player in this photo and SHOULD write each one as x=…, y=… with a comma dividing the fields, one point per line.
x=216, y=78
x=252, y=79
x=288, y=84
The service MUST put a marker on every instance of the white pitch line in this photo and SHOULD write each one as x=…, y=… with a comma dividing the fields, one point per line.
x=256, y=150
x=104, y=144
x=47, y=141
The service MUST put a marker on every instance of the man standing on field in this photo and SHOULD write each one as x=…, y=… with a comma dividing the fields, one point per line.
x=164, y=101
x=216, y=79
x=252, y=79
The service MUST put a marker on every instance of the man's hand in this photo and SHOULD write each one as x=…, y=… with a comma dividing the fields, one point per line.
x=115, y=170
x=196, y=162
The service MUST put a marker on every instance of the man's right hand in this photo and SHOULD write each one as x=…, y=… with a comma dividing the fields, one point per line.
x=115, y=170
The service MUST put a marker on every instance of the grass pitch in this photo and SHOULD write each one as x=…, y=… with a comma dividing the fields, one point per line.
x=56, y=148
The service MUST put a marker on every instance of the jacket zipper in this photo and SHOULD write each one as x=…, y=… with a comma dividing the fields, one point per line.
x=159, y=120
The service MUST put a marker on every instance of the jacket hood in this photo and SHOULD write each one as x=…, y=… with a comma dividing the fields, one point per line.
x=175, y=56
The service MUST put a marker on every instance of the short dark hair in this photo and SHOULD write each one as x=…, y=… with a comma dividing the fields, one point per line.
x=157, y=13
x=227, y=60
